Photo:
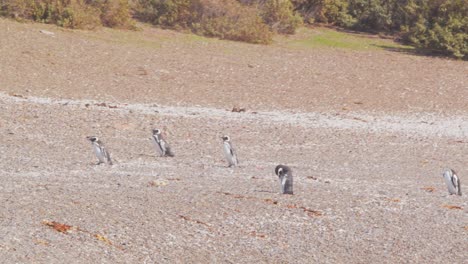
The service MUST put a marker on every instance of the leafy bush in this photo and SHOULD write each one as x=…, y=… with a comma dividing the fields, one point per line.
x=280, y=16
x=373, y=15
x=325, y=11
x=442, y=26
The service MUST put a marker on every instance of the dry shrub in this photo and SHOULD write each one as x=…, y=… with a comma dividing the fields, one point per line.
x=76, y=14
x=117, y=14
x=225, y=19
x=66, y=13
x=228, y=19
x=82, y=14
x=167, y=13
x=279, y=15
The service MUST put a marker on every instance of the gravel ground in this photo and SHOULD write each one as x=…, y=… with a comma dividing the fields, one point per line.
x=367, y=167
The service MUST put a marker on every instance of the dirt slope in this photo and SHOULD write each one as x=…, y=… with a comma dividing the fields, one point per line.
x=156, y=66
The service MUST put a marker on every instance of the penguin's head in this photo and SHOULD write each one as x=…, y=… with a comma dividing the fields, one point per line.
x=156, y=132
x=92, y=138
x=279, y=170
x=448, y=173
x=225, y=138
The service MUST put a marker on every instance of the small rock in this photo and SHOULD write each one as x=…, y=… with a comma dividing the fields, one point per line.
x=157, y=183
x=47, y=32
x=238, y=109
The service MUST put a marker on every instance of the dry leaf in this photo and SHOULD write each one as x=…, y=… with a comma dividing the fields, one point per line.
x=173, y=179
x=186, y=218
x=453, y=207
x=17, y=95
x=314, y=213
x=270, y=201
x=291, y=206
x=103, y=239
x=255, y=234
x=428, y=189
x=41, y=242
x=62, y=228
x=359, y=119
x=142, y=71
x=311, y=212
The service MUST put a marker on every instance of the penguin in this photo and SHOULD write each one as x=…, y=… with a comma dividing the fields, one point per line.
x=229, y=151
x=101, y=153
x=286, y=179
x=161, y=145
x=452, y=181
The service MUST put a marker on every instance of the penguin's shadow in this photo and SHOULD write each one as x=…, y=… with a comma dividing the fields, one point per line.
x=264, y=191
x=225, y=166
x=149, y=155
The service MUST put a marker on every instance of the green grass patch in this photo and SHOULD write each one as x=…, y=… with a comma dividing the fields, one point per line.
x=329, y=38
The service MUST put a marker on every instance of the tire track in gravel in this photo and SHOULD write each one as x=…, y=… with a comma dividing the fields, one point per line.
x=420, y=125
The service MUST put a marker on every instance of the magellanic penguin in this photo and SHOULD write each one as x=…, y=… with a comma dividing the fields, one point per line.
x=452, y=181
x=161, y=145
x=229, y=151
x=286, y=179
x=101, y=152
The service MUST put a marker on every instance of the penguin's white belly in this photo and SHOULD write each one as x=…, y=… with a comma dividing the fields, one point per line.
x=99, y=153
x=227, y=152
x=229, y=156
x=450, y=186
